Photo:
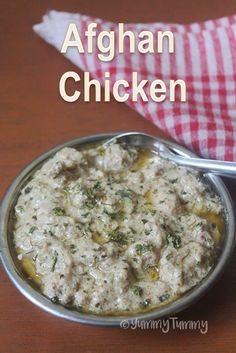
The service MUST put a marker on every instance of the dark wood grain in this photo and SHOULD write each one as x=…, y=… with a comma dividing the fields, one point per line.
x=34, y=118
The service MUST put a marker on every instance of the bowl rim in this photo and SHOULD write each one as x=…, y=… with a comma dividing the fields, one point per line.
x=101, y=320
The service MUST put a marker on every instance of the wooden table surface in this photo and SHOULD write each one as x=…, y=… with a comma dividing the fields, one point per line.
x=34, y=118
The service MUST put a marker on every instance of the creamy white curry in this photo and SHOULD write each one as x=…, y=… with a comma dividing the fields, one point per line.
x=116, y=229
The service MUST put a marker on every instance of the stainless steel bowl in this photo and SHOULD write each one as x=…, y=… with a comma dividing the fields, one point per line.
x=28, y=289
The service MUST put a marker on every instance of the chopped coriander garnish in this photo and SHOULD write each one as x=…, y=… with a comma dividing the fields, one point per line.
x=174, y=239
x=169, y=256
x=173, y=181
x=73, y=248
x=32, y=229
x=55, y=299
x=66, y=189
x=142, y=248
x=132, y=230
x=19, y=209
x=55, y=258
x=200, y=224
x=164, y=226
x=97, y=185
x=34, y=258
x=144, y=304
x=147, y=232
x=117, y=216
x=137, y=290
x=28, y=189
x=93, y=194
x=125, y=193
x=118, y=237
x=164, y=297
x=58, y=211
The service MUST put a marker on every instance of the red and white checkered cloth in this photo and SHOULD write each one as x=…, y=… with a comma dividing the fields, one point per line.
x=205, y=57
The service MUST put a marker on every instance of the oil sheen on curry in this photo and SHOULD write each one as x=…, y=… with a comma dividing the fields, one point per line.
x=116, y=230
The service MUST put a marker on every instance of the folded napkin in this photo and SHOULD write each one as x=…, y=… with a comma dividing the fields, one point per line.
x=205, y=57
